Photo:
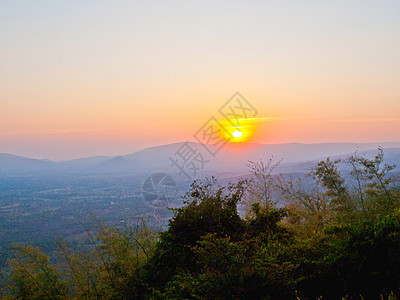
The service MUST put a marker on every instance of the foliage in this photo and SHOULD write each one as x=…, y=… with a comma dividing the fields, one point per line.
x=34, y=277
x=108, y=271
x=337, y=236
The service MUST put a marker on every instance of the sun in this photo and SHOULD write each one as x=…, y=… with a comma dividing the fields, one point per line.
x=237, y=134
x=239, y=130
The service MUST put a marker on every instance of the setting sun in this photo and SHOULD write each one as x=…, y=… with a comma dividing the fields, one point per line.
x=237, y=134
x=241, y=130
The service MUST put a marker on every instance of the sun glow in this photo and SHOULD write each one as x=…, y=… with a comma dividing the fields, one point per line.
x=240, y=130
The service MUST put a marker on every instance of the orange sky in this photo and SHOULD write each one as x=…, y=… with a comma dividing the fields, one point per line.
x=90, y=79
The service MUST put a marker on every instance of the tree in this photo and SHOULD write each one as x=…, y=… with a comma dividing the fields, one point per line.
x=309, y=208
x=34, y=277
x=112, y=269
x=376, y=191
x=262, y=185
x=209, y=209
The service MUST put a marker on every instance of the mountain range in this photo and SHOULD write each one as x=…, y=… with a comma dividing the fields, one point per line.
x=231, y=159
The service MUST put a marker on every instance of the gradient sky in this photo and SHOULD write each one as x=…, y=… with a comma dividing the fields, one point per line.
x=81, y=78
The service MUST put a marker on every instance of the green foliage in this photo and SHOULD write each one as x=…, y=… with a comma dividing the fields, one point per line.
x=109, y=270
x=235, y=266
x=336, y=238
x=34, y=277
x=209, y=210
x=377, y=192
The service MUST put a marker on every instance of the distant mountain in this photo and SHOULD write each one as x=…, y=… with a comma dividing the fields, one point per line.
x=230, y=160
x=13, y=163
x=87, y=161
x=233, y=158
x=115, y=162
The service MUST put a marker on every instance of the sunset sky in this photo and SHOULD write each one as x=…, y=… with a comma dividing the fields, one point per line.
x=82, y=78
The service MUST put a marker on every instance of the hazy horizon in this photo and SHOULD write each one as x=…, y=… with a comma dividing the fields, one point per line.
x=387, y=144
